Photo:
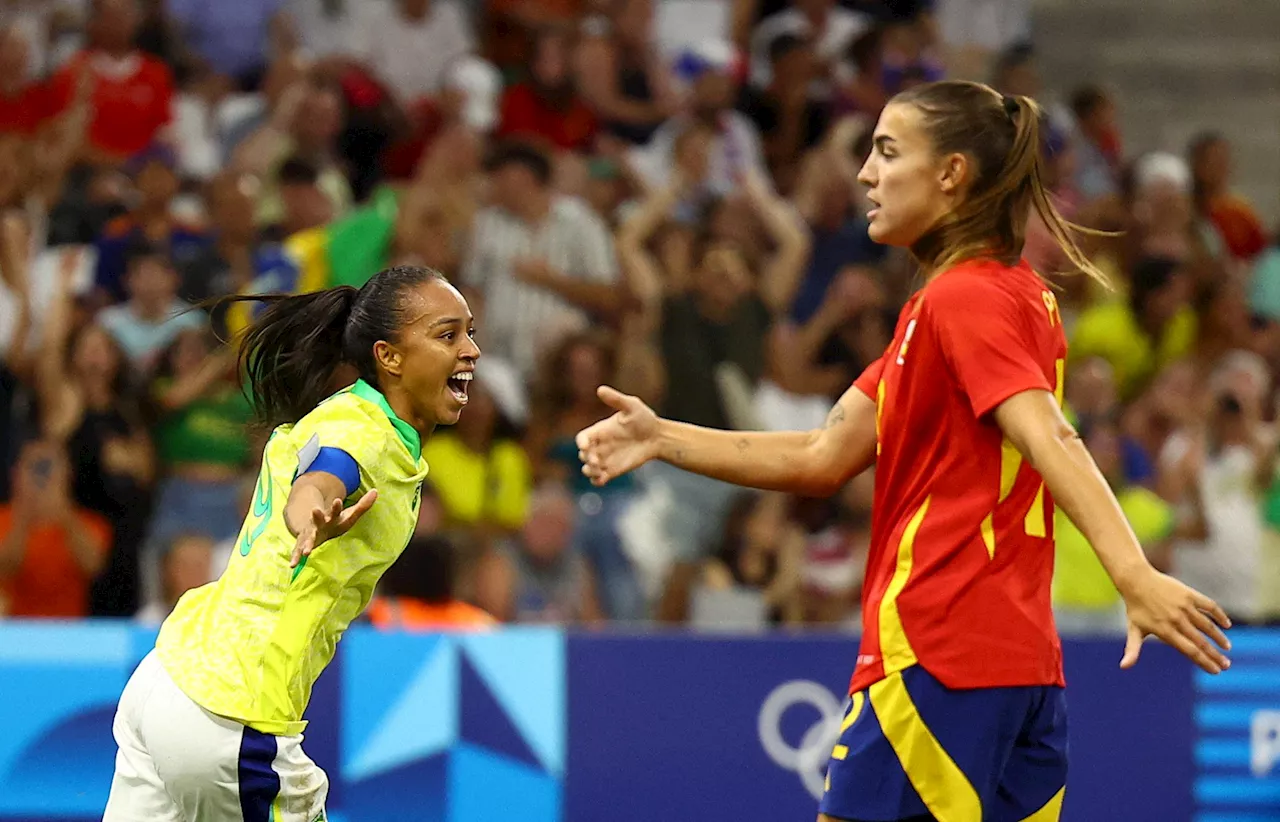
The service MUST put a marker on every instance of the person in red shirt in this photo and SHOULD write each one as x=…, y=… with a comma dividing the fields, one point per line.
x=957, y=709
x=23, y=102
x=547, y=107
x=131, y=92
x=49, y=550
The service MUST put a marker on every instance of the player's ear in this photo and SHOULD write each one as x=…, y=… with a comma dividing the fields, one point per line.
x=389, y=357
x=953, y=172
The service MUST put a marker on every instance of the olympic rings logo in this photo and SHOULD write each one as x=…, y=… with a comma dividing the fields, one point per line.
x=809, y=758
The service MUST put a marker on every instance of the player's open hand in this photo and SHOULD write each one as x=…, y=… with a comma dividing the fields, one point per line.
x=325, y=525
x=1183, y=617
x=621, y=443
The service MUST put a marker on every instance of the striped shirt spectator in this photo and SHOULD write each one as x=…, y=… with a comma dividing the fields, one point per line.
x=544, y=263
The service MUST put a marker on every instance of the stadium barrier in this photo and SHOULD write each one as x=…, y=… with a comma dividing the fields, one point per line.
x=538, y=725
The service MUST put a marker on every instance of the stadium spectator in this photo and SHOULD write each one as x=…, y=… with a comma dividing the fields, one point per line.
x=481, y=474
x=417, y=593
x=1153, y=327
x=830, y=27
x=1097, y=143
x=754, y=576
x=1084, y=599
x=408, y=45
x=621, y=74
x=783, y=111
x=547, y=107
x=1232, y=217
x=565, y=403
x=130, y=93
x=304, y=126
x=24, y=103
x=710, y=69
x=199, y=419
x=152, y=220
x=864, y=93
x=1216, y=470
x=536, y=577
x=153, y=316
x=84, y=402
x=187, y=562
x=544, y=263
x=50, y=548
x=233, y=38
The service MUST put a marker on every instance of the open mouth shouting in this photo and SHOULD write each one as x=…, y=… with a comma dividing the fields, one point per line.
x=459, y=383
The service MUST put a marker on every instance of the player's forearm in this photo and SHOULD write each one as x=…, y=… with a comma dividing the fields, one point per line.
x=1079, y=488
x=773, y=461
x=85, y=546
x=312, y=492
x=13, y=546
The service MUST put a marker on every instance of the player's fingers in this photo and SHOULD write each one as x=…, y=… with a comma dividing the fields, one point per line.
x=350, y=516
x=614, y=398
x=1190, y=649
x=1214, y=610
x=1207, y=626
x=301, y=548
x=1193, y=628
x=1132, y=647
x=586, y=437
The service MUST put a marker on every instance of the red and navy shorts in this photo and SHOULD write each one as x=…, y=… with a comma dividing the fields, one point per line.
x=912, y=749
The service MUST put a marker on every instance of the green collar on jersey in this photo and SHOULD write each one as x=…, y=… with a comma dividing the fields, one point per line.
x=408, y=434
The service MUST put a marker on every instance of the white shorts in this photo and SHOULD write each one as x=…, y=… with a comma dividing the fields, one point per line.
x=179, y=763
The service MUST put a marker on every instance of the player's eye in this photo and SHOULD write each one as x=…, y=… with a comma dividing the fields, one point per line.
x=448, y=336
x=471, y=332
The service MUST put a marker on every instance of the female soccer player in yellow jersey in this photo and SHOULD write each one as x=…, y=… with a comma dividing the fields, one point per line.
x=209, y=726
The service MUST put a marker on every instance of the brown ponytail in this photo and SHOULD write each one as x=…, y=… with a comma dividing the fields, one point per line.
x=1001, y=135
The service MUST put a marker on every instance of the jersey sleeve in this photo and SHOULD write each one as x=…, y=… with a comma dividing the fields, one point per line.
x=986, y=341
x=870, y=378
x=347, y=446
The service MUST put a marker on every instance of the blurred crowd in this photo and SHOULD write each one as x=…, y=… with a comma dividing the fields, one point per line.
x=656, y=195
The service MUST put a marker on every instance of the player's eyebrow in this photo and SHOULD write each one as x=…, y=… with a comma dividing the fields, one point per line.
x=439, y=321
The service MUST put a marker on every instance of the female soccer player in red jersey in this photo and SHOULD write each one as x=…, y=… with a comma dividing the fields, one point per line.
x=956, y=710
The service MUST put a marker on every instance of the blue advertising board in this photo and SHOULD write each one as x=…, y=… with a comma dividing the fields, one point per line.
x=540, y=726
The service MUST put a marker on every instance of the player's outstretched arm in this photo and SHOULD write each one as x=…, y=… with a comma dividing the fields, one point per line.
x=1156, y=604
x=814, y=463
x=314, y=512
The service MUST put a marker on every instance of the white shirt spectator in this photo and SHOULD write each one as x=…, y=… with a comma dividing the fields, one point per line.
x=522, y=321
x=411, y=56
x=324, y=27
x=735, y=150
x=1227, y=565
x=843, y=27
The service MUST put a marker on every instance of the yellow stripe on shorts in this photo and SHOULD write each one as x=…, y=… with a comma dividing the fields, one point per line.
x=945, y=789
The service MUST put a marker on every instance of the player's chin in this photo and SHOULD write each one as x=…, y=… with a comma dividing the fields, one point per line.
x=883, y=232
x=449, y=409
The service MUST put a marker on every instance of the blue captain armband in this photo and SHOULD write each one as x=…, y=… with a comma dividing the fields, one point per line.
x=312, y=457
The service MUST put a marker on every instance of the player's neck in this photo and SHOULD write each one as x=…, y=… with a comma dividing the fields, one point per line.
x=403, y=408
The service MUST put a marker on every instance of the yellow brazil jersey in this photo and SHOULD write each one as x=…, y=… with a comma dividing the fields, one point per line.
x=251, y=645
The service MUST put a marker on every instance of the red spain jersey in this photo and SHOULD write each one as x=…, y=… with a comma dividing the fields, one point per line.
x=961, y=560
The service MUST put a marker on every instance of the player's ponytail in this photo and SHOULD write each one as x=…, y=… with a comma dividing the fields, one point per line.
x=291, y=353
x=1002, y=137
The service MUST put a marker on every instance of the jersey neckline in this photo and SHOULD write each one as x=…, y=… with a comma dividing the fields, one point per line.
x=408, y=434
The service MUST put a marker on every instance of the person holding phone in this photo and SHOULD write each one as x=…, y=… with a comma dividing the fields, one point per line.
x=50, y=550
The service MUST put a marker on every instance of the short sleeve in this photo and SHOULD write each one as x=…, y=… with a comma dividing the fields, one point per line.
x=870, y=378
x=362, y=442
x=984, y=338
